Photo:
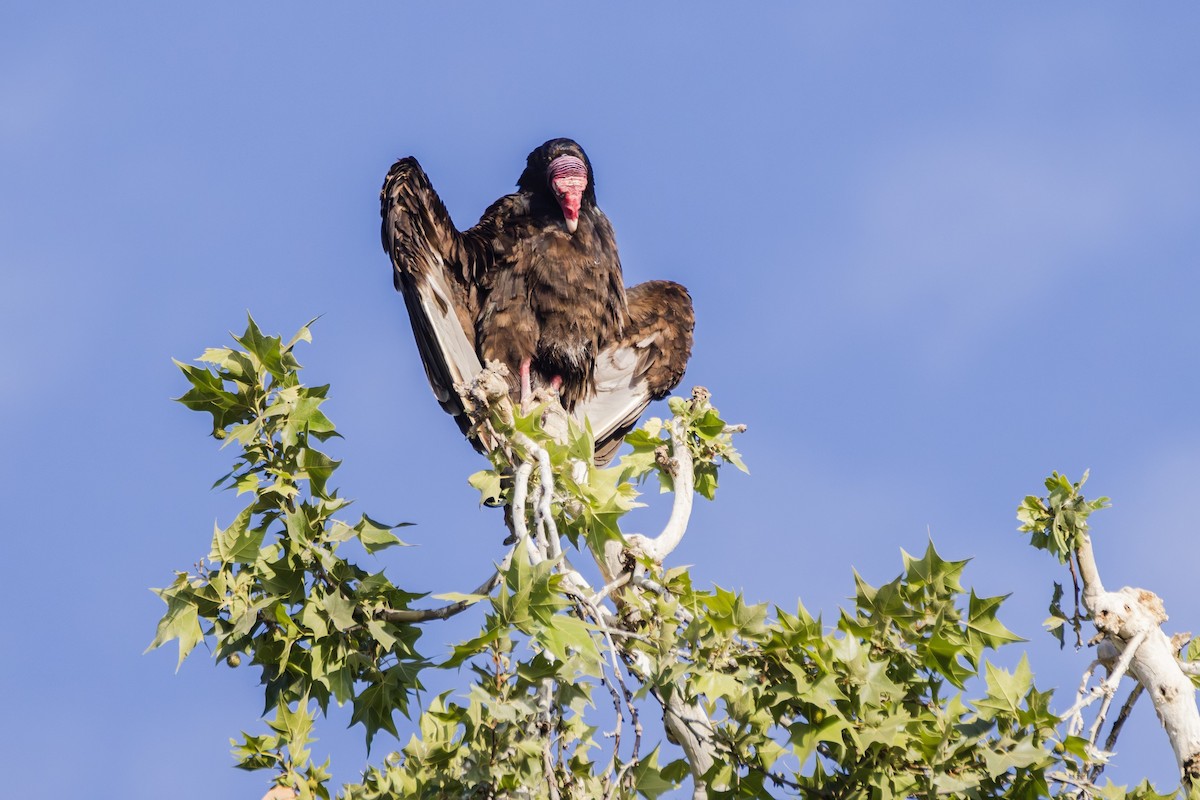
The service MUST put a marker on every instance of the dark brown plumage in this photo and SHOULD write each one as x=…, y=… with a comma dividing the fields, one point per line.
x=554, y=295
x=536, y=285
x=644, y=364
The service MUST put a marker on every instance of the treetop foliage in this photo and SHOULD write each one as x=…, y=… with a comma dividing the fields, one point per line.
x=569, y=682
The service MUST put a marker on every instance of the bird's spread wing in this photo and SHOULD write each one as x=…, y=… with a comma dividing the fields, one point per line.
x=644, y=364
x=432, y=266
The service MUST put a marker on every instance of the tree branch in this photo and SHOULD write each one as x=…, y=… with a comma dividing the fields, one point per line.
x=1122, y=716
x=690, y=727
x=687, y=721
x=411, y=615
x=1108, y=686
x=683, y=472
x=1131, y=621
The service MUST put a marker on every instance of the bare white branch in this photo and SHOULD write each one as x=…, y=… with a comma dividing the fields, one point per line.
x=1108, y=686
x=1131, y=621
x=548, y=765
x=662, y=545
x=520, y=497
x=1074, y=715
x=1122, y=716
x=545, y=499
x=690, y=727
x=532, y=522
x=611, y=587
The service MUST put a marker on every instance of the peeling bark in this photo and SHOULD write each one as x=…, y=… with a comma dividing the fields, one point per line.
x=1130, y=620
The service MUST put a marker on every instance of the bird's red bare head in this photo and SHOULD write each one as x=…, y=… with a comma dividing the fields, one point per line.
x=568, y=179
x=559, y=171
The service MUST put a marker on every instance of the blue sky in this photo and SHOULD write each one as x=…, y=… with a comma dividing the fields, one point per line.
x=936, y=251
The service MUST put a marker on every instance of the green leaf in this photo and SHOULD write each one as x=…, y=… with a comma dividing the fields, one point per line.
x=302, y=335
x=208, y=394
x=373, y=708
x=317, y=468
x=299, y=406
x=983, y=629
x=807, y=736
x=488, y=483
x=376, y=536
x=651, y=781
x=340, y=610
x=256, y=752
x=458, y=597
x=710, y=425
x=572, y=640
x=1006, y=690
x=706, y=480
x=464, y=651
x=1056, y=522
x=267, y=350
x=182, y=620
x=246, y=483
x=237, y=543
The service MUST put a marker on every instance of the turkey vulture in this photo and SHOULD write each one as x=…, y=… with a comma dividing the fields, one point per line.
x=536, y=285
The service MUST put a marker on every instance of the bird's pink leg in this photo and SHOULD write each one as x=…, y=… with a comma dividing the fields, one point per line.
x=526, y=388
x=556, y=382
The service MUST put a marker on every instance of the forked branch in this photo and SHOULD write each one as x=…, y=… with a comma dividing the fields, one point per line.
x=1130, y=622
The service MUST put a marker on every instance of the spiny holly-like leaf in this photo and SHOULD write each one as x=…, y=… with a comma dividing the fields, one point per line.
x=375, y=705
x=1006, y=690
x=299, y=408
x=983, y=629
x=293, y=728
x=238, y=543
x=267, y=350
x=208, y=394
x=572, y=640
x=317, y=468
x=339, y=609
x=933, y=571
x=256, y=752
x=376, y=536
x=182, y=620
x=650, y=780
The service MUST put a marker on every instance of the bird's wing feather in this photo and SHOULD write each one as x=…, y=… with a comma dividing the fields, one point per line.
x=644, y=364
x=432, y=263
